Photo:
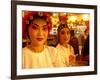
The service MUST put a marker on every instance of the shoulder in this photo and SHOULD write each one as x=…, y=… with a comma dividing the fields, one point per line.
x=52, y=51
x=71, y=47
x=24, y=49
x=72, y=50
x=51, y=48
x=58, y=46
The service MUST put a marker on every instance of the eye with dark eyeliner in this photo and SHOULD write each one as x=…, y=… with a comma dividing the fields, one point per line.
x=34, y=27
x=45, y=27
x=63, y=32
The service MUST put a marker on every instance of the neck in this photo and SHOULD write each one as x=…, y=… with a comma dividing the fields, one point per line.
x=65, y=45
x=36, y=48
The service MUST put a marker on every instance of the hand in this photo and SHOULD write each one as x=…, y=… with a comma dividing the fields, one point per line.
x=71, y=59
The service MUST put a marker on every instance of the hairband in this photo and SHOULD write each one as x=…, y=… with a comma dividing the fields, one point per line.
x=39, y=14
x=61, y=26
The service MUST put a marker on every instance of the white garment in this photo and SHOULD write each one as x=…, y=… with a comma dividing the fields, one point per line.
x=64, y=54
x=44, y=59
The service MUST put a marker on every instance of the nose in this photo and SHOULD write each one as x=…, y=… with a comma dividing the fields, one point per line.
x=66, y=35
x=40, y=32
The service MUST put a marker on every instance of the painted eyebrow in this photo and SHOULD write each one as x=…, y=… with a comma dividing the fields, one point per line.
x=38, y=25
x=35, y=24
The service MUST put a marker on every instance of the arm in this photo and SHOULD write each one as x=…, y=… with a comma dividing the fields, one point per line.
x=72, y=57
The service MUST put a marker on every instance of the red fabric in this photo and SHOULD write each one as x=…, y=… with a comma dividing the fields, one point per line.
x=71, y=58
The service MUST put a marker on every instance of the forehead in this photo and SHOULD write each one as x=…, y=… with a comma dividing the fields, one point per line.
x=65, y=29
x=39, y=21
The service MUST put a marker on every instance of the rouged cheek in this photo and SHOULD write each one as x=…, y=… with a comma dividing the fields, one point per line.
x=62, y=39
x=32, y=33
x=69, y=35
x=62, y=36
x=46, y=32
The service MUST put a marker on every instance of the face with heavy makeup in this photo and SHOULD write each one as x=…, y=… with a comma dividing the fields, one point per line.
x=64, y=36
x=38, y=31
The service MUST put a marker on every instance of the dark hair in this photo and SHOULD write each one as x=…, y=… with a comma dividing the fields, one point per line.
x=61, y=26
x=72, y=32
x=85, y=49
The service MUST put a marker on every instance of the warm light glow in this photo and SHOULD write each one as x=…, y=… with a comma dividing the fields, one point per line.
x=55, y=14
x=73, y=18
x=55, y=20
x=62, y=14
x=85, y=17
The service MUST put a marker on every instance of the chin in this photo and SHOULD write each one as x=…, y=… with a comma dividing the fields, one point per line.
x=40, y=43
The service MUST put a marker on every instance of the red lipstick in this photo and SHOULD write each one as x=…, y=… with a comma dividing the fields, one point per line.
x=39, y=39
